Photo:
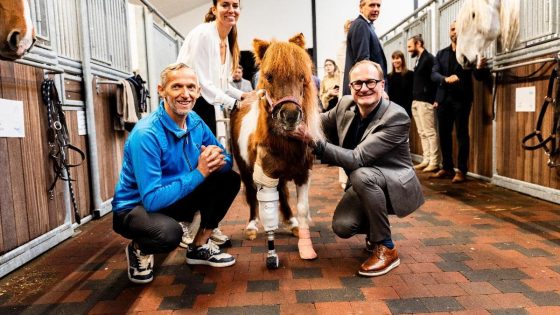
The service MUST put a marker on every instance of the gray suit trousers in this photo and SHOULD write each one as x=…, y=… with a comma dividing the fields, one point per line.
x=364, y=207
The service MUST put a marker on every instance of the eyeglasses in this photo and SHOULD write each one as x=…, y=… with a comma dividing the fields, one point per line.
x=371, y=84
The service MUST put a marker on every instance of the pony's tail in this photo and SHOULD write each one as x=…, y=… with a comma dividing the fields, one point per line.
x=509, y=20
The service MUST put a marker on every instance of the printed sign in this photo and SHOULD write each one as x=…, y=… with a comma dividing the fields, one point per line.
x=525, y=99
x=12, y=124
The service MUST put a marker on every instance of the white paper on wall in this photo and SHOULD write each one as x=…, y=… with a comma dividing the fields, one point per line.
x=12, y=124
x=525, y=99
x=82, y=126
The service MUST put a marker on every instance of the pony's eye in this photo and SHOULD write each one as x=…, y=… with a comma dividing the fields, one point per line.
x=269, y=78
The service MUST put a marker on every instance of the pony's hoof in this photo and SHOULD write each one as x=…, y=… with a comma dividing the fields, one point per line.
x=306, y=250
x=305, y=246
x=295, y=231
x=251, y=234
x=272, y=262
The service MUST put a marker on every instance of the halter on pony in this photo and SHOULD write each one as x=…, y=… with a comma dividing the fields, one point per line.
x=274, y=107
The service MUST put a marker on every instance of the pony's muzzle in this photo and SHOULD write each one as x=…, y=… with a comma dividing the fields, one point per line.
x=289, y=115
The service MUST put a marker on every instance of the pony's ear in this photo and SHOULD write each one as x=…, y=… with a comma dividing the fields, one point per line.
x=299, y=40
x=259, y=47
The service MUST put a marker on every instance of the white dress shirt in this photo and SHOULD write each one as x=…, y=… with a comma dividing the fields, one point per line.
x=201, y=51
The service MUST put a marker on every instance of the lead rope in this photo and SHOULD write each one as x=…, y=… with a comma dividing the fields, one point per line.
x=57, y=137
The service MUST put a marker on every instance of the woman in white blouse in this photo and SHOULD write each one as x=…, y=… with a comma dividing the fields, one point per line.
x=211, y=49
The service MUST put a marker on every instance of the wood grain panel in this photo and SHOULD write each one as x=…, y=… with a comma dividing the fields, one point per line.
x=513, y=161
x=14, y=222
x=80, y=173
x=26, y=173
x=110, y=143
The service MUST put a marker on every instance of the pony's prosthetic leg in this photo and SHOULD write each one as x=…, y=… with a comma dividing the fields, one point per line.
x=267, y=196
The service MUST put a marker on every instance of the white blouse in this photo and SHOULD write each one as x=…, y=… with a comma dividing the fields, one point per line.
x=201, y=51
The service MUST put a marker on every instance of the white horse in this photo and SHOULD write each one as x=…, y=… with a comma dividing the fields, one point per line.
x=480, y=22
x=17, y=33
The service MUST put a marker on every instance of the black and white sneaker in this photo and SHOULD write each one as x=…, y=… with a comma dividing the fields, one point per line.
x=140, y=266
x=209, y=254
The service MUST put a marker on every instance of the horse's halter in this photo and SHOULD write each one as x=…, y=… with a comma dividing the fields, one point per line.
x=274, y=106
x=549, y=144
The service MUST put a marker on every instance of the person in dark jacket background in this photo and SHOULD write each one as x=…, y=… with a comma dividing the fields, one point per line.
x=453, y=106
x=362, y=42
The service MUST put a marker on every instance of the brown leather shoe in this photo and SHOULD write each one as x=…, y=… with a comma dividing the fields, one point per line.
x=442, y=174
x=459, y=177
x=420, y=166
x=380, y=262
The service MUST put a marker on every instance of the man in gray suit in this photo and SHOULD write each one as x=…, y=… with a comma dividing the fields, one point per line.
x=368, y=137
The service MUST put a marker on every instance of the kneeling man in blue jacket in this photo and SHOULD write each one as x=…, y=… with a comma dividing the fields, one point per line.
x=173, y=166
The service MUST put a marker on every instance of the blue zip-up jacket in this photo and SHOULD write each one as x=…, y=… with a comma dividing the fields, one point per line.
x=160, y=161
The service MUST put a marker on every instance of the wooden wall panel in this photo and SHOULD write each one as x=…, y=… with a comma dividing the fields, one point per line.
x=79, y=173
x=480, y=130
x=513, y=161
x=110, y=143
x=25, y=171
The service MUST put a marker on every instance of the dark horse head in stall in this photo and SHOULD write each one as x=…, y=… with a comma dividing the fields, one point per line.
x=17, y=33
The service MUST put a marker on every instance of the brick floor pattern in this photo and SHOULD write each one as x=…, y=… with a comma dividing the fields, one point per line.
x=473, y=248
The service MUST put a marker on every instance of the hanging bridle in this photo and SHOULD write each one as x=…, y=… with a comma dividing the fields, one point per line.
x=57, y=137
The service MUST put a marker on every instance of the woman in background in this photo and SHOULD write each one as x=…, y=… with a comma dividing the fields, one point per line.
x=330, y=85
x=211, y=49
x=400, y=82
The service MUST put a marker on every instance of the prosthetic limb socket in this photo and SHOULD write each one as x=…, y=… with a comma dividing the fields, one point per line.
x=267, y=196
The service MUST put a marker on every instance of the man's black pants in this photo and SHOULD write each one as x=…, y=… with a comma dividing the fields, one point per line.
x=451, y=113
x=160, y=232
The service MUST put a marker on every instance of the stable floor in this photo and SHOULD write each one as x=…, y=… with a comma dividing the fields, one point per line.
x=473, y=248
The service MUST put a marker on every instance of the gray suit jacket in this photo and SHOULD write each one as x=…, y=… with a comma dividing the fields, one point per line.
x=384, y=146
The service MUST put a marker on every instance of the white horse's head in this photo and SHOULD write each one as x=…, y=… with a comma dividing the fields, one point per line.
x=17, y=33
x=480, y=22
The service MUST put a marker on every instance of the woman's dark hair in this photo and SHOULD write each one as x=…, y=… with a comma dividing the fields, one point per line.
x=399, y=54
x=334, y=63
x=232, y=36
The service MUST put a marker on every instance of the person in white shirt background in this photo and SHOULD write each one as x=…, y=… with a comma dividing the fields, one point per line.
x=211, y=49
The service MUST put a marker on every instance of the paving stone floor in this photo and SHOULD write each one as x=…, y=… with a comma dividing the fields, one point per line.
x=473, y=248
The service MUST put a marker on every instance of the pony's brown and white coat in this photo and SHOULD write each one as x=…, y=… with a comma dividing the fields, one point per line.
x=286, y=97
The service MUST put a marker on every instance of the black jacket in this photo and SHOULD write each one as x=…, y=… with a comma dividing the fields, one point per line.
x=423, y=88
x=461, y=91
x=362, y=44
